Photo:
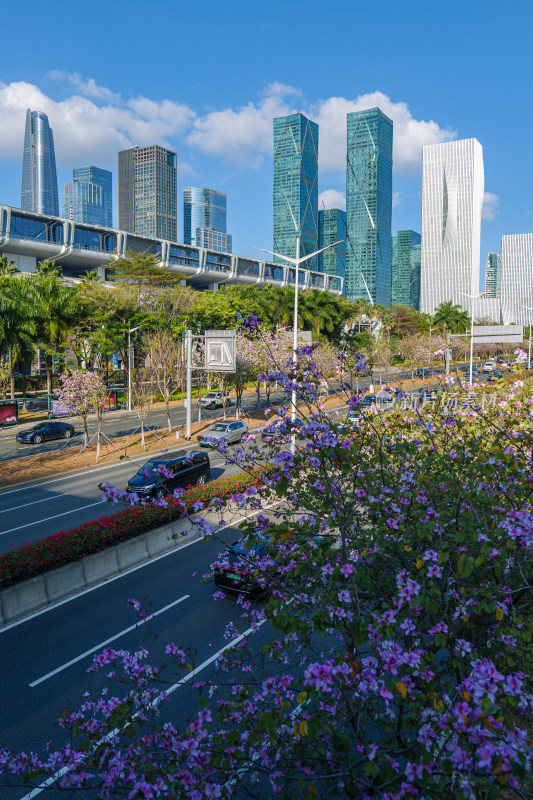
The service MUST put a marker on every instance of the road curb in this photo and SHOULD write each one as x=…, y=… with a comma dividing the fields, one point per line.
x=20, y=601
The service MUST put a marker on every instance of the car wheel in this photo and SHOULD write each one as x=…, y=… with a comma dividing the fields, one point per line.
x=37, y=439
x=212, y=406
x=67, y=434
x=200, y=480
x=159, y=493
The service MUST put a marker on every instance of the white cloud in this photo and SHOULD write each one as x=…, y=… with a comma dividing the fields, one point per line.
x=410, y=134
x=396, y=199
x=88, y=88
x=491, y=204
x=241, y=136
x=331, y=198
x=281, y=89
x=86, y=132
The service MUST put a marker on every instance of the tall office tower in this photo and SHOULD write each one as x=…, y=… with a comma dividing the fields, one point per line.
x=403, y=261
x=369, y=206
x=452, y=200
x=517, y=279
x=39, y=175
x=213, y=240
x=295, y=187
x=89, y=197
x=147, y=202
x=203, y=209
x=331, y=229
x=414, y=295
x=493, y=275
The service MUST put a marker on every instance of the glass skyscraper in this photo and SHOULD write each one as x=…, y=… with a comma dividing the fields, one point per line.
x=39, y=175
x=452, y=199
x=404, y=257
x=517, y=279
x=295, y=188
x=147, y=201
x=331, y=229
x=89, y=197
x=369, y=206
x=493, y=275
x=204, y=209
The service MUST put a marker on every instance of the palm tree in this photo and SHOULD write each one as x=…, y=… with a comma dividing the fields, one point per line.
x=7, y=267
x=54, y=303
x=17, y=320
x=451, y=317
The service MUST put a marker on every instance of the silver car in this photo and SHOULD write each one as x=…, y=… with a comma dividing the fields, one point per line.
x=230, y=431
x=215, y=400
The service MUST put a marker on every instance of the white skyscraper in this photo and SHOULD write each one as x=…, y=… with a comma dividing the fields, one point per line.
x=517, y=278
x=452, y=198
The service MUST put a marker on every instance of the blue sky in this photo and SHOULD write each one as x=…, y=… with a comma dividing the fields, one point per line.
x=206, y=80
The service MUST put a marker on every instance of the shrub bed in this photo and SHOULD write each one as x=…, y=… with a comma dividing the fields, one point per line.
x=65, y=547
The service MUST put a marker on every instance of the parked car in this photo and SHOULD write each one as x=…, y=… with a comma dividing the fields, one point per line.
x=494, y=376
x=380, y=401
x=280, y=428
x=215, y=400
x=160, y=476
x=235, y=571
x=38, y=404
x=489, y=366
x=46, y=430
x=230, y=431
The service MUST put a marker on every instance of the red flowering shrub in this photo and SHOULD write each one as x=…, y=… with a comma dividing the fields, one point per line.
x=66, y=547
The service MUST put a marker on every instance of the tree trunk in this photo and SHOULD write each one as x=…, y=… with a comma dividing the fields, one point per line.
x=12, y=379
x=85, y=431
x=49, y=364
x=142, y=435
x=24, y=376
x=167, y=403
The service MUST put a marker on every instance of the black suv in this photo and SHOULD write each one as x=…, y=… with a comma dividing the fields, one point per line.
x=46, y=430
x=160, y=476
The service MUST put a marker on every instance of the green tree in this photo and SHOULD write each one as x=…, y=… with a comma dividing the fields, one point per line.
x=55, y=314
x=17, y=320
x=7, y=267
x=451, y=317
x=143, y=269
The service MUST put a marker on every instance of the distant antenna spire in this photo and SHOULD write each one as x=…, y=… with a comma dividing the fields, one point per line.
x=323, y=205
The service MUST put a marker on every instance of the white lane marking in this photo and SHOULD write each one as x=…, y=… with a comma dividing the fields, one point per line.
x=114, y=465
x=112, y=734
x=107, y=641
x=129, y=571
x=33, y=502
x=38, y=521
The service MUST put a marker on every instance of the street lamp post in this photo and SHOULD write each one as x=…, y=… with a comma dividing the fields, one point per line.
x=297, y=261
x=472, y=297
x=130, y=331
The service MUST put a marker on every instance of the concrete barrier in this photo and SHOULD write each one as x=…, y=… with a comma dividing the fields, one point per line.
x=62, y=582
x=25, y=598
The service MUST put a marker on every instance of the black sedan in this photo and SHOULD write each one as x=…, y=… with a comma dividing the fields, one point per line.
x=44, y=431
x=235, y=572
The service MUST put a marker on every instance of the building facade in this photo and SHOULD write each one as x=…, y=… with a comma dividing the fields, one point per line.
x=416, y=256
x=405, y=259
x=39, y=174
x=213, y=240
x=203, y=209
x=452, y=200
x=369, y=206
x=89, y=197
x=517, y=279
x=295, y=187
x=331, y=229
x=493, y=275
x=147, y=200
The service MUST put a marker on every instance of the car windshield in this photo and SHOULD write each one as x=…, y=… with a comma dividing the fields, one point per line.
x=218, y=427
x=211, y=394
x=39, y=426
x=152, y=468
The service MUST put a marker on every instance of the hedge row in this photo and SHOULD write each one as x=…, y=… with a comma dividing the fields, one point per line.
x=65, y=547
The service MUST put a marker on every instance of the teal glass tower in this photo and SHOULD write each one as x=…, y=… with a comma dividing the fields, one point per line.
x=331, y=229
x=204, y=210
x=295, y=187
x=404, y=260
x=369, y=206
x=89, y=197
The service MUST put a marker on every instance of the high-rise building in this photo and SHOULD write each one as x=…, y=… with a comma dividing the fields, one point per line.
x=89, y=197
x=147, y=202
x=404, y=258
x=295, y=187
x=416, y=259
x=369, y=206
x=331, y=229
x=204, y=209
x=213, y=240
x=452, y=200
x=39, y=175
x=517, y=279
x=493, y=275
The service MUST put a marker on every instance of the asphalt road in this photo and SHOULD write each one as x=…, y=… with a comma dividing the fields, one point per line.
x=43, y=671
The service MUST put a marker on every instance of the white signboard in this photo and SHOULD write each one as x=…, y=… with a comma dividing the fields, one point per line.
x=220, y=351
x=305, y=336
